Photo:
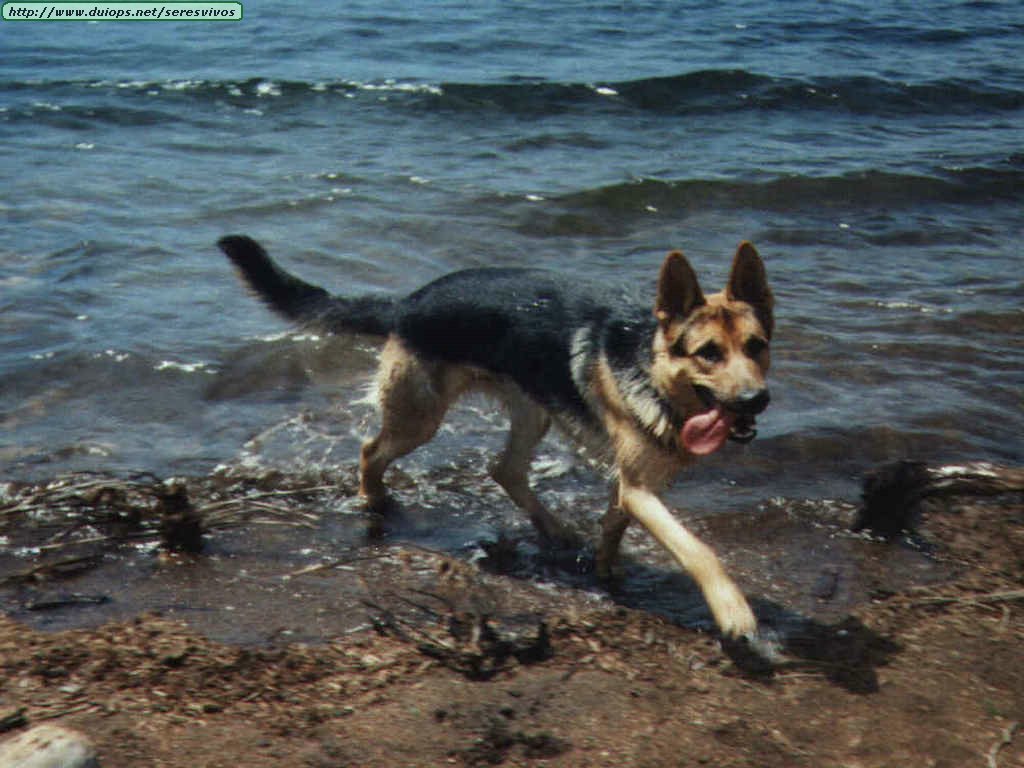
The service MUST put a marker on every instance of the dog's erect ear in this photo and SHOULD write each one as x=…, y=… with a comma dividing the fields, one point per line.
x=678, y=290
x=748, y=282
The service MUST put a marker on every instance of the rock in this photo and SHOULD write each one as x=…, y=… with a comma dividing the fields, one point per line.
x=826, y=585
x=48, y=746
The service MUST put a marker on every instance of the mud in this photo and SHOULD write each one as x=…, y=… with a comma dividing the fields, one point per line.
x=291, y=639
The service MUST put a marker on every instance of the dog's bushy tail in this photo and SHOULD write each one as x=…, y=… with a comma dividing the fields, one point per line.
x=302, y=303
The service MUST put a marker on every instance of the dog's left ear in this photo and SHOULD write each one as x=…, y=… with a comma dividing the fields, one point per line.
x=748, y=282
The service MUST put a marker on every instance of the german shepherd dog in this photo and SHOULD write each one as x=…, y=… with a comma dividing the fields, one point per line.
x=648, y=390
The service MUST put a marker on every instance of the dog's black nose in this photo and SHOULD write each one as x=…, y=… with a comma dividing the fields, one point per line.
x=751, y=402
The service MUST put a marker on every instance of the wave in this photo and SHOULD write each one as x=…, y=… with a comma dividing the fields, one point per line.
x=605, y=210
x=699, y=92
x=725, y=91
x=861, y=189
x=77, y=104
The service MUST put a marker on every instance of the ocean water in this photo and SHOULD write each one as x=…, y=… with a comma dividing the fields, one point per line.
x=874, y=153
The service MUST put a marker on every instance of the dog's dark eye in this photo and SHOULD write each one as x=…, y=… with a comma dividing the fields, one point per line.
x=710, y=352
x=755, y=346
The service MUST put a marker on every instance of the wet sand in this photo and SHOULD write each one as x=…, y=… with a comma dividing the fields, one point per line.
x=414, y=656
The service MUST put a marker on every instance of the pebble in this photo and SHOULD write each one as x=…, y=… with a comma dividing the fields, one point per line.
x=826, y=585
x=48, y=746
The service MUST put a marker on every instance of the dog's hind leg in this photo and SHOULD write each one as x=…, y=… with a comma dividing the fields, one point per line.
x=412, y=400
x=613, y=527
x=529, y=424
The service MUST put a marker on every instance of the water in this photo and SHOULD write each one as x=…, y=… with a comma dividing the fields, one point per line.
x=873, y=152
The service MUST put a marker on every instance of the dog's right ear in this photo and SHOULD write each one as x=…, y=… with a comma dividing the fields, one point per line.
x=678, y=290
x=748, y=282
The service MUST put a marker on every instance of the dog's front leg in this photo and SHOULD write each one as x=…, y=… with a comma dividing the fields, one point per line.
x=728, y=606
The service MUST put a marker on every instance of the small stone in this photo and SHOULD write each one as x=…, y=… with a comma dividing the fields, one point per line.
x=826, y=585
x=48, y=746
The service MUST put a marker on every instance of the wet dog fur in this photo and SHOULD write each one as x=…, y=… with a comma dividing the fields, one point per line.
x=627, y=383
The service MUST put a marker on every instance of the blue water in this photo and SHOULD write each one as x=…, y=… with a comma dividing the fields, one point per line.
x=874, y=152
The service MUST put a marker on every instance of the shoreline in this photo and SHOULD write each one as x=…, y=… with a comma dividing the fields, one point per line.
x=930, y=674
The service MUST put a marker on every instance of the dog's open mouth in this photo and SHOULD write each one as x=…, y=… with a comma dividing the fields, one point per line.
x=743, y=429
x=706, y=432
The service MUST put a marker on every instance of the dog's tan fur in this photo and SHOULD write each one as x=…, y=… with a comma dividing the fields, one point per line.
x=414, y=394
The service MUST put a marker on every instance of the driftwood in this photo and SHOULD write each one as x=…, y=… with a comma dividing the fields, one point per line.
x=893, y=493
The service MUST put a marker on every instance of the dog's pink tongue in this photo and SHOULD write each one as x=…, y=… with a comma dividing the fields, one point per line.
x=706, y=432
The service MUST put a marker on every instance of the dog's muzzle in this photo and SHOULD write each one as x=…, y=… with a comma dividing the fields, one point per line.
x=745, y=408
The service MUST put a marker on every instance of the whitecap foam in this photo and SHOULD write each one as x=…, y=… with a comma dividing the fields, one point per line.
x=174, y=365
x=268, y=88
x=182, y=85
x=396, y=86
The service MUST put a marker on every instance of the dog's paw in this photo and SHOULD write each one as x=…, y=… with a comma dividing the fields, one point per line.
x=765, y=642
x=384, y=516
x=750, y=645
x=732, y=612
x=754, y=653
x=609, y=571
